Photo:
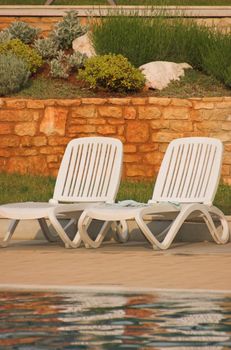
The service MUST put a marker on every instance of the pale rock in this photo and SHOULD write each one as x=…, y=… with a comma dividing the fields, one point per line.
x=84, y=45
x=159, y=74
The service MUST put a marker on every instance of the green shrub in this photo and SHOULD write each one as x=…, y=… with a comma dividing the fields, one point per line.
x=47, y=48
x=5, y=36
x=14, y=73
x=67, y=30
x=112, y=72
x=23, y=32
x=23, y=51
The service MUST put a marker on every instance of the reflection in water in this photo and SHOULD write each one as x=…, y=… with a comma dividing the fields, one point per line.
x=46, y=321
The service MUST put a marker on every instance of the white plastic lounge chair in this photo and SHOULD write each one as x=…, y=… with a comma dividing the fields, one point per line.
x=89, y=173
x=184, y=189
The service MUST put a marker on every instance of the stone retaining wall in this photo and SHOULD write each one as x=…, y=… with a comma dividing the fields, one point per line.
x=34, y=133
x=46, y=24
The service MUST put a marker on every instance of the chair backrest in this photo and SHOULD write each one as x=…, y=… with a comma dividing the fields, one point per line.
x=90, y=170
x=190, y=171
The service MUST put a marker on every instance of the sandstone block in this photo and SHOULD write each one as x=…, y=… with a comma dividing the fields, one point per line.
x=165, y=136
x=159, y=124
x=225, y=171
x=36, y=104
x=96, y=121
x=39, y=141
x=227, y=147
x=180, y=102
x=203, y=105
x=148, y=112
x=26, y=141
x=58, y=140
x=5, y=128
x=223, y=105
x=5, y=153
x=120, y=130
x=52, y=150
x=110, y=111
x=9, y=141
x=129, y=148
x=16, y=104
x=116, y=121
x=85, y=111
x=54, y=121
x=139, y=171
x=84, y=129
x=182, y=125
x=208, y=126
x=52, y=158
x=15, y=115
x=119, y=101
x=226, y=126
x=159, y=101
x=153, y=158
x=129, y=112
x=137, y=131
x=93, y=101
x=25, y=129
x=176, y=113
x=151, y=147
x=106, y=130
x=139, y=100
x=227, y=158
x=132, y=158
x=28, y=165
x=69, y=102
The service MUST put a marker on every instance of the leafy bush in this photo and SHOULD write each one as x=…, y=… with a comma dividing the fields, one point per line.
x=113, y=72
x=67, y=30
x=14, y=73
x=61, y=66
x=5, y=36
x=46, y=47
x=23, y=51
x=22, y=31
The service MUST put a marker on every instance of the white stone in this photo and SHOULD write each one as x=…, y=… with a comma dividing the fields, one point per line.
x=84, y=45
x=159, y=74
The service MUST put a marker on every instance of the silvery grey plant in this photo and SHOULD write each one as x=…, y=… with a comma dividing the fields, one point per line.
x=23, y=31
x=14, y=73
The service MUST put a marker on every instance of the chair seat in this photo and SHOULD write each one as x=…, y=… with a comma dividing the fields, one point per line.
x=115, y=212
x=25, y=210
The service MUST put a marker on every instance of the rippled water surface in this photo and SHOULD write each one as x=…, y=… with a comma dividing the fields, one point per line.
x=51, y=320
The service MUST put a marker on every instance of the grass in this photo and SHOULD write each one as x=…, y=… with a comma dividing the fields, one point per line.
x=45, y=88
x=20, y=188
x=194, y=84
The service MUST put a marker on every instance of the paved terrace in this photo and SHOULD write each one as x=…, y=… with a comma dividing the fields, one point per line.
x=135, y=265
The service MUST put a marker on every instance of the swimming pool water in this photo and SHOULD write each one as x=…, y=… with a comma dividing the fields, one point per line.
x=78, y=320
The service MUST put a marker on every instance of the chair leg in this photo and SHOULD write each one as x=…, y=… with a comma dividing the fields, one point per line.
x=83, y=224
x=224, y=236
x=178, y=222
x=120, y=230
x=46, y=232
x=9, y=233
x=75, y=243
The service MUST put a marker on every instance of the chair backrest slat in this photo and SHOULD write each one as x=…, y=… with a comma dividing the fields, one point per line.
x=190, y=171
x=90, y=170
